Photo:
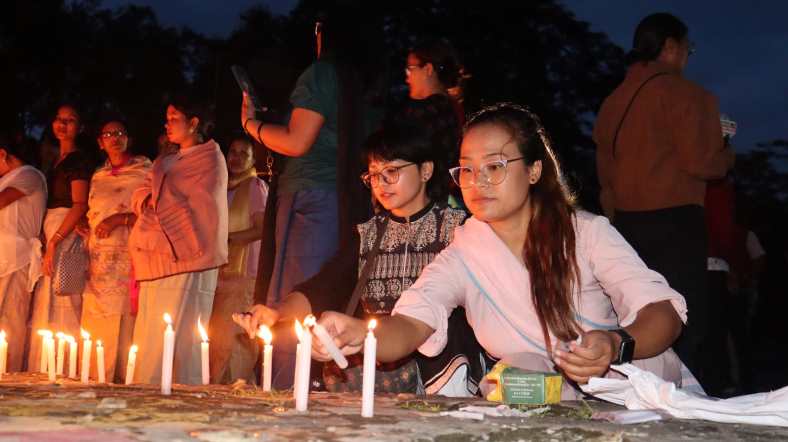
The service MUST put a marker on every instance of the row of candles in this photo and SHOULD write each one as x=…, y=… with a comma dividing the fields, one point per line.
x=53, y=362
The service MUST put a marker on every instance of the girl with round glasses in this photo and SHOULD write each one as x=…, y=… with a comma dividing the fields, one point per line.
x=545, y=285
x=409, y=179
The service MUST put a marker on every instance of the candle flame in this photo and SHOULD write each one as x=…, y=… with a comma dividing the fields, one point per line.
x=310, y=321
x=60, y=335
x=265, y=334
x=98, y=343
x=168, y=319
x=2, y=335
x=133, y=349
x=203, y=333
x=84, y=333
x=70, y=339
x=372, y=324
x=45, y=333
x=299, y=330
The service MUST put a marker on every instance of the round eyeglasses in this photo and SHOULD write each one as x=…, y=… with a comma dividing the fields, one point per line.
x=492, y=173
x=389, y=175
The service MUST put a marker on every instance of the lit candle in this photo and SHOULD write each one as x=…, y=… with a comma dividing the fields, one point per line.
x=303, y=365
x=51, y=369
x=167, y=356
x=87, y=347
x=43, y=366
x=327, y=341
x=206, y=370
x=3, y=353
x=132, y=363
x=102, y=377
x=61, y=344
x=368, y=384
x=265, y=334
x=72, y=356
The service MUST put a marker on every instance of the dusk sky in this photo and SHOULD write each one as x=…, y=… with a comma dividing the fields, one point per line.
x=742, y=47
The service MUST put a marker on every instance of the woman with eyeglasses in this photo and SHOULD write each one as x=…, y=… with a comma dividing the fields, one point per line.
x=67, y=184
x=410, y=180
x=432, y=70
x=23, y=198
x=108, y=312
x=545, y=285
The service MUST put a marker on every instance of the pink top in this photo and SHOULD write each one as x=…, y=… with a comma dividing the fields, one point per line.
x=477, y=271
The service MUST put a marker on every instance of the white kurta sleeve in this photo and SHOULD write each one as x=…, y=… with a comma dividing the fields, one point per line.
x=431, y=299
x=623, y=275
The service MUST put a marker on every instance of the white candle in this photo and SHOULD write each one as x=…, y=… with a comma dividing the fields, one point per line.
x=167, y=356
x=265, y=334
x=61, y=344
x=303, y=365
x=368, y=384
x=327, y=341
x=206, y=369
x=72, y=357
x=44, y=357
x=132, y=363
x=51, y=369
x=87, y=347
x=102, y=377
x=3, y=353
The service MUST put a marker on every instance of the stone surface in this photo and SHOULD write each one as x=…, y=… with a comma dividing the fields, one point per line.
x=32, y=409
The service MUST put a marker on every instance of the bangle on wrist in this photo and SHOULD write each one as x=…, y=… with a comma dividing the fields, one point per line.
x=259, y=137
x=57, y=237
x=245, y=123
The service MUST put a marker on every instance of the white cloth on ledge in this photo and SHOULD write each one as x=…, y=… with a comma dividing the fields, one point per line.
x=645, y=391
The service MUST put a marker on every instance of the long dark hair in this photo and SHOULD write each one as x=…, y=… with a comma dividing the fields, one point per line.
x=412, y=143
x=651, y=34
x=549, y=252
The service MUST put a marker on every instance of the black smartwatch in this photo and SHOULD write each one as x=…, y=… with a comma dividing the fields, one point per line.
x=627, y=348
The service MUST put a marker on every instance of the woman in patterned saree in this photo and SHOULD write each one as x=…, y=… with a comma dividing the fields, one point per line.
x=107, y=310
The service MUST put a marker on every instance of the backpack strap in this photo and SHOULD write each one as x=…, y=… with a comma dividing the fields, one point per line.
x=626, y=111
x=352, y=305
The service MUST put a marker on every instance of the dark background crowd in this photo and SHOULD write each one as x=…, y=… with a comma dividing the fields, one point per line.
x=124, y=61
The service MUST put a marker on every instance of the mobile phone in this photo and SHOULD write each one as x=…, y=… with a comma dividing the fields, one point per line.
x=242, y=78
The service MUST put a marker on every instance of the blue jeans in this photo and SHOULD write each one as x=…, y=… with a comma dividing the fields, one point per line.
x=306, y=237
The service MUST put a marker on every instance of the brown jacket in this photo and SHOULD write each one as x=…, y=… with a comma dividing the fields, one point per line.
x=669, y=145
x=182, y=214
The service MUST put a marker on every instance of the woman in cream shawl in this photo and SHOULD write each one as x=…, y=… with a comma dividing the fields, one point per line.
x=233, y=355
x=107, y=312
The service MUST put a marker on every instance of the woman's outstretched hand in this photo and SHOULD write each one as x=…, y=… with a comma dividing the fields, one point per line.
x=590, y=358
x=257, y=315
x=348, y=334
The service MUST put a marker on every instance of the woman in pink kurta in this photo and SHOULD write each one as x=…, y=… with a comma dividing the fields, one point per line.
x=545, y=286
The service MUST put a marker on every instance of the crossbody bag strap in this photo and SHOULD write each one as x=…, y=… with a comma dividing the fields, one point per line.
x=626, y=111
x=364, y=276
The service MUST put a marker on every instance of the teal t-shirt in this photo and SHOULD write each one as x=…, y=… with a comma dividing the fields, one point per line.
x=316, y=90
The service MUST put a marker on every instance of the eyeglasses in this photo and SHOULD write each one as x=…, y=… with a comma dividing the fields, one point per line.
x=492, y=173
x=112, y=133
x=409, y=68
x=390, y=175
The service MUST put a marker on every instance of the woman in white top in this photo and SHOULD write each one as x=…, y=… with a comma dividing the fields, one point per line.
x=23, y=198
x=533, y=272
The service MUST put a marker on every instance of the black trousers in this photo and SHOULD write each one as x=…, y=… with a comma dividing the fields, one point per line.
x=672, y=242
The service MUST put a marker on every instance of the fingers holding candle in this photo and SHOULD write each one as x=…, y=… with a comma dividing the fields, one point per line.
x=326, y=341
x=348, y=334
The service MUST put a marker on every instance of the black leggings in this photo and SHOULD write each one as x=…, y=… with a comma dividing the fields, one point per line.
x=673, y=242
